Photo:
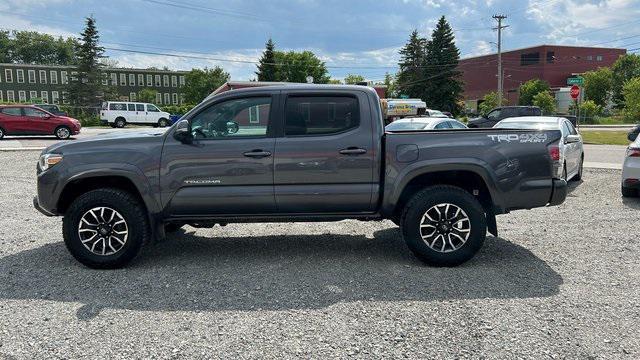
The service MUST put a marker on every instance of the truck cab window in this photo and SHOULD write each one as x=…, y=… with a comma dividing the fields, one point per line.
x=233, y=118
x=321, y=115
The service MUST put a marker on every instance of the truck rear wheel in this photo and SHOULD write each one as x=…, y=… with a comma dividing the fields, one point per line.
x=105, y=228
x=444, y=225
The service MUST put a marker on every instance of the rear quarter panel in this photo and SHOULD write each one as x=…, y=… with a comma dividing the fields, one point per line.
x=514, y=164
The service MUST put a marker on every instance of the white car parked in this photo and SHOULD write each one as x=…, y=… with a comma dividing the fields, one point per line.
x=631, y=168
x=571, y=149
x=120, y=113
x=425, y=123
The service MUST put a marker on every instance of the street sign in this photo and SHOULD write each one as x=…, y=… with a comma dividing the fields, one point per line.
x=575, y=91
x=575, y=80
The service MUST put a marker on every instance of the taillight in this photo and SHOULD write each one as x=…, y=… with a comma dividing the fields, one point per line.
x=633, y=152
x=554, y=152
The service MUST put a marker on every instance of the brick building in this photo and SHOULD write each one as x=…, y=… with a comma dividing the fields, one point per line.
x=24, y=83
x=551, y=63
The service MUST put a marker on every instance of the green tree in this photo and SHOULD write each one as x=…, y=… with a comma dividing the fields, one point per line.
x=297, y=66
x=489, y=102
x=267, y=68
x=31, y=47
x=443, y=86
x=530, y=89
x=545, y=101
x=5, y=47
x=85, y=87
x=351, y=79
x=200, y=83
x=589, y=110
x=412, y=60
x=147, y=95
x=631, y=93
x=390, y=83
x=597, y=85
x=624, y=69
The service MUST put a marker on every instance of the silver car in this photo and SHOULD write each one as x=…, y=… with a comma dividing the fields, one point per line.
x=571, y=149
x=425, y=123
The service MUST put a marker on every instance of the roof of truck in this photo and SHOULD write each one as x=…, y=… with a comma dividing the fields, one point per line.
x=290, y=86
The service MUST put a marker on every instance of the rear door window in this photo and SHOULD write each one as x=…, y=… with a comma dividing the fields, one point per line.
x=118, y=106
x=12, y=111
x=139, y=107
x=131, y=107
x=321, y=115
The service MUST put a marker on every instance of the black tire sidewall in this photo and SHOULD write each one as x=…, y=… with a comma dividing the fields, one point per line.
x=163, y=122
x=2, y=133
x=55, y=132
x=120, y=122
x=429, y=197
x=122, y=202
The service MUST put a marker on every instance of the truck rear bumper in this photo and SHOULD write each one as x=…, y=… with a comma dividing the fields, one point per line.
x=559, y=192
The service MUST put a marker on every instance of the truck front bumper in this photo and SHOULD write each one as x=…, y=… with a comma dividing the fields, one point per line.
x=558, y=192
x=36, y=205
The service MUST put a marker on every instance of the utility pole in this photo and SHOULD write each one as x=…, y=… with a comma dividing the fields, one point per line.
x=499, y=18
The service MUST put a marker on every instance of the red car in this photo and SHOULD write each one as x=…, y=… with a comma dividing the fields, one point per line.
x=31, y=120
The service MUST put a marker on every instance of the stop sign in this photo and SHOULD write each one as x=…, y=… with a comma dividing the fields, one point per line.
x=575, y=91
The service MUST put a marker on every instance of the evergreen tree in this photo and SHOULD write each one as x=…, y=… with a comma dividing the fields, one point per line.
x=85, y=87
x=410, y=75
x=443, y=87
x=267, y=70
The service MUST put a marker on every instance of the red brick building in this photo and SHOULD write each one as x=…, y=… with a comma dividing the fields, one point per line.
x=551, y=63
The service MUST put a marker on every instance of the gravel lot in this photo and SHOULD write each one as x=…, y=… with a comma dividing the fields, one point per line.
x=560, y=282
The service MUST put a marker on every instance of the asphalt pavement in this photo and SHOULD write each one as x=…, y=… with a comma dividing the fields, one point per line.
x=559, y=282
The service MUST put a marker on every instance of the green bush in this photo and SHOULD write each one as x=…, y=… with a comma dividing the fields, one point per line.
x=546, y=102
x=177, y=109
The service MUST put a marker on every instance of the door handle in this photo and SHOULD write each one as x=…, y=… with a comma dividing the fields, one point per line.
x=257, y=153
x=353, y=151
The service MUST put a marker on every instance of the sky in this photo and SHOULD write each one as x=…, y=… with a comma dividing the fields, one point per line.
x=351, y=36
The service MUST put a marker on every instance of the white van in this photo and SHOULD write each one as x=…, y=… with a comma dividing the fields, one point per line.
x=121, y=113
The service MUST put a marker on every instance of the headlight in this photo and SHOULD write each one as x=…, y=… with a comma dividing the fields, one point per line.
x=48, y=160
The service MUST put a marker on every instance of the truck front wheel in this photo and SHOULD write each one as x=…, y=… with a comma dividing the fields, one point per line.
x=105, y=228
x=444, y=225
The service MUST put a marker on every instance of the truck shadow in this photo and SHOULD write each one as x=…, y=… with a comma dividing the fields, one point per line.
x=191, y=273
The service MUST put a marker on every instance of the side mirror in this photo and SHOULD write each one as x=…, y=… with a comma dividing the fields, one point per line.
x=632, y=136
x=47, y=116
x=182, y=132
x=572, y=139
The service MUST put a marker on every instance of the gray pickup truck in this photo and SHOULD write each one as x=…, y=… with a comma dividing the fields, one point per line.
x=294, y=153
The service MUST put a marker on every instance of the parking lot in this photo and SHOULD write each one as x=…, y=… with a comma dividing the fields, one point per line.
x=559, y=282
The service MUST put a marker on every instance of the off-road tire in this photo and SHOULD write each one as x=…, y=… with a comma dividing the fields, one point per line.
x=426, y=199
x=133, y=212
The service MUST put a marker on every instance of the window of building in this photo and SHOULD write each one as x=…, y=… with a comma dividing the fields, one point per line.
x=599, y=58
x=123, y=79
x=174, y=98
x=551, y=57
x=20, y=75
x=43, y=76
x=45, y=96
x=181, y=80
x=53, y=76
x=132, y=96
x=31, y=74
x=8, y=76
x=11, y=96
x=216, y=120
x=165, y=80
x=529, y=59
x=149, y=80
x=158, y=98
x=321, y=115
x=64, y=79
x=114, y=79
x=167, y=99
x=590, y=58
x=140, y=79
x=174, y=81
x=55, y=98
x=105, y=79
x=33, y=95
x=1, y=100
x=65, y=97
x=22, y=96
x=181, y=99
x=158, y=83
x=132, y=79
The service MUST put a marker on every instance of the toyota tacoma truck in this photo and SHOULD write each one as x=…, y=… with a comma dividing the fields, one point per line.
x=294, y=153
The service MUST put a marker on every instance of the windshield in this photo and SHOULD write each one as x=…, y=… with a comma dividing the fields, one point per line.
x=406, y=125
x=527, y=125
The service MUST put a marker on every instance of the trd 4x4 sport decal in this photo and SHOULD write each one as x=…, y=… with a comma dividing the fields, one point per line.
x=522, y=138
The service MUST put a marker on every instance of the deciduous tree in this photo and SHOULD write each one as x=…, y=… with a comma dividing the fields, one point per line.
x=199, y=83
x=530, y=89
